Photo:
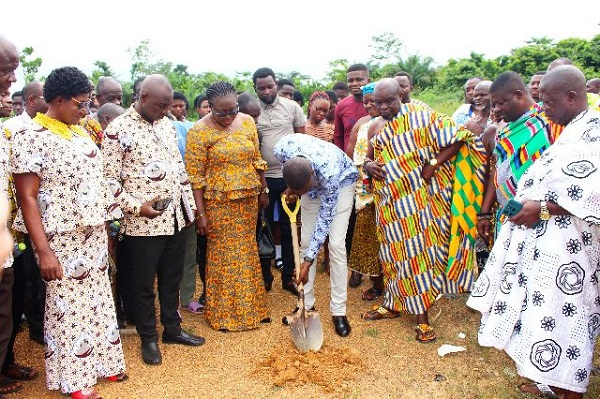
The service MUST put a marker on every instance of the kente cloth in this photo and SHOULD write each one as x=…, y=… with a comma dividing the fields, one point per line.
x=538, y=293
x=518, y=145
x=415, y=221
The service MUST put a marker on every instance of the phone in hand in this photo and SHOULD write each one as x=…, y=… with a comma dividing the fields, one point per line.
x=511, y=208
x=162, y=204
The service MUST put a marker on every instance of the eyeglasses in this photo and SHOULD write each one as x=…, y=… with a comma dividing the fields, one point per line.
x=225, y=114
x=82, y=104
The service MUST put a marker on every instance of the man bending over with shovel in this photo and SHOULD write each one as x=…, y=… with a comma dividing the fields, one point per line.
x=325, y=178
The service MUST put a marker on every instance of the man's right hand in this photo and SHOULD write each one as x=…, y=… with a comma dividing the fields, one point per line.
x=375, y=169
x=289, y=198
x=147, y=209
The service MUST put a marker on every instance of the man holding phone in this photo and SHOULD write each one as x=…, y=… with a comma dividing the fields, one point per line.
x=146, y=175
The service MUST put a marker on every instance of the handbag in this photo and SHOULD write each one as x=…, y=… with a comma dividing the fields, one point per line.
x=264, y=238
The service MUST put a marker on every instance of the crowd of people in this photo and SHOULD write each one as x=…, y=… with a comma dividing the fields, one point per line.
x=108, y=205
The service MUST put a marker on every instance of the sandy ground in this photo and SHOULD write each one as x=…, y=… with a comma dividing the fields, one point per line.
x=379, y=359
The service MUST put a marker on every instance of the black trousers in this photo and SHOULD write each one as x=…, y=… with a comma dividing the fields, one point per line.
x=27, y=278
x=6, y=319
x=124, y=299
x=156, y=257
x=276, y=187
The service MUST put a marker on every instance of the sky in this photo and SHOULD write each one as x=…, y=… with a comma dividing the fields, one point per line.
x=229, y=36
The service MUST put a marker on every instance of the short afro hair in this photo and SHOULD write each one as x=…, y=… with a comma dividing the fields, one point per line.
x=66, y=82
x=198, y=100
x=297, y=172
x=261, y=73
x=177, y=95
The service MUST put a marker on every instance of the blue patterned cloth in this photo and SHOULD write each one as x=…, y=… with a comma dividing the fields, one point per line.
x=333, y=171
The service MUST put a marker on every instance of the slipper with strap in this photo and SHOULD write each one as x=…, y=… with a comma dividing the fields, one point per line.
x=380, y=312
x=539, y=390
x=20, y=372
x=9, y=385
x=425, y=333
x=371, y=294
x=194, y=307
x=118, y=378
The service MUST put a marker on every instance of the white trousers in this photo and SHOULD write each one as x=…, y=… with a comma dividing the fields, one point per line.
x=338, y=267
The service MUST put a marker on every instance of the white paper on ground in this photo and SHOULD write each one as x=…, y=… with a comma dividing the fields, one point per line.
x=445, y=349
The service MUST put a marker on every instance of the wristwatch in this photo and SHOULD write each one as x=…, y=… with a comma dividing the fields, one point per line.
x=265, y=190
x=433, y=162
x=544, y=212
x=309, y=260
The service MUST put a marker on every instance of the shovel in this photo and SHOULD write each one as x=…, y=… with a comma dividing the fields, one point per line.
x=307, y=331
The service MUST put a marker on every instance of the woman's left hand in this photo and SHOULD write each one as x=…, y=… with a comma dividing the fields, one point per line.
x=529, y=215
x=263, y=200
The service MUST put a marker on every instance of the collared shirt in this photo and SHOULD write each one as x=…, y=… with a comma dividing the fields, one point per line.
x=333, y=170
x=17, y=123
x=276, y=121
x=462, y=114
x=142, y=162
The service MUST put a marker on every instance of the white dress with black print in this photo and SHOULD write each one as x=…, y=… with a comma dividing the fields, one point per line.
x=539, y=294
x=80, y=326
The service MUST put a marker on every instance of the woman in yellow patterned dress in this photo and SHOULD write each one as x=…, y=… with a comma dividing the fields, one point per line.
x=227, y=175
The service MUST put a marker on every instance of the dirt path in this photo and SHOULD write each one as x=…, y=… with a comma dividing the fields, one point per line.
x=378, y=360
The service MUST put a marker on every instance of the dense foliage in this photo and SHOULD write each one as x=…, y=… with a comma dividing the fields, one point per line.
x=439, y=86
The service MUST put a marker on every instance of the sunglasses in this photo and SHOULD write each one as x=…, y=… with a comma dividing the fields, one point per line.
x=225, y=114
x=82, y=104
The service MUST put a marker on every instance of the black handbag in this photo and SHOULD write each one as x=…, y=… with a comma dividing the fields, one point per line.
x=264, y=238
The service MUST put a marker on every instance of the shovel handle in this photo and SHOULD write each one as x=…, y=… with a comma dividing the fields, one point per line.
x=292, y=215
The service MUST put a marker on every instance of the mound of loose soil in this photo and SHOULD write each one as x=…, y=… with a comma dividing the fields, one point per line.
x=330, y=368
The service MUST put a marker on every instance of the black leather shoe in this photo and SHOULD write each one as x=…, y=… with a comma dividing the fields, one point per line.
x=290, y=286
x=268, y=286
x=342, y=327
x=151, y=353
x=183, y=338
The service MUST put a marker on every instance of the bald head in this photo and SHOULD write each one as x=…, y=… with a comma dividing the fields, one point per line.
x=484, y=85
x=559, y=62
x=108, y=112
x=109, y=90
x=33, y=96
x=156, y=96
x=297, y=173
x=387, y=97
x=9, y=61
x=593, y=86
x=564, y=93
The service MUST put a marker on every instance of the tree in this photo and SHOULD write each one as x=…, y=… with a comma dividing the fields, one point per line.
x=337, y=73
x=387, y=48
x=533, y=57
x=30, y=65
x=102, y=69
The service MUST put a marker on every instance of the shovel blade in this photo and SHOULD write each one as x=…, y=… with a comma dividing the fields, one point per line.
x=307, y=331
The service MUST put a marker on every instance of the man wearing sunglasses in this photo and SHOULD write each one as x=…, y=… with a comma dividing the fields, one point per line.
x=278, y=117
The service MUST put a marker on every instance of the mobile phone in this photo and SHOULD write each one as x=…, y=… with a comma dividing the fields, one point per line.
x=511, y=208
x=161, y=204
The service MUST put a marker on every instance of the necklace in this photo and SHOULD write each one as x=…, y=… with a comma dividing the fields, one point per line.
x=59, y=128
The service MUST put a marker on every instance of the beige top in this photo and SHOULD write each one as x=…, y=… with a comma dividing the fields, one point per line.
x=141, y=162
x=72, y=192
x=276, y=121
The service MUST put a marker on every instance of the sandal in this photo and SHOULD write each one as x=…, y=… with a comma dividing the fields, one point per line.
x=9, y=385
x=379, y=312
x=540, y=390
x=85, y=394
x=194, y=307
x=21, y=373
x=425, y=333
x=118, y=378
x=371, y=294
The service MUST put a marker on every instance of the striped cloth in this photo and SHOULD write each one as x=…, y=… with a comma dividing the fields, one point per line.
x=323, y=131
x=414, y=223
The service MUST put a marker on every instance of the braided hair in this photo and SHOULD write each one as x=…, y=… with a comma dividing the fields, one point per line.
x=317, y=95
x=219, y=89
